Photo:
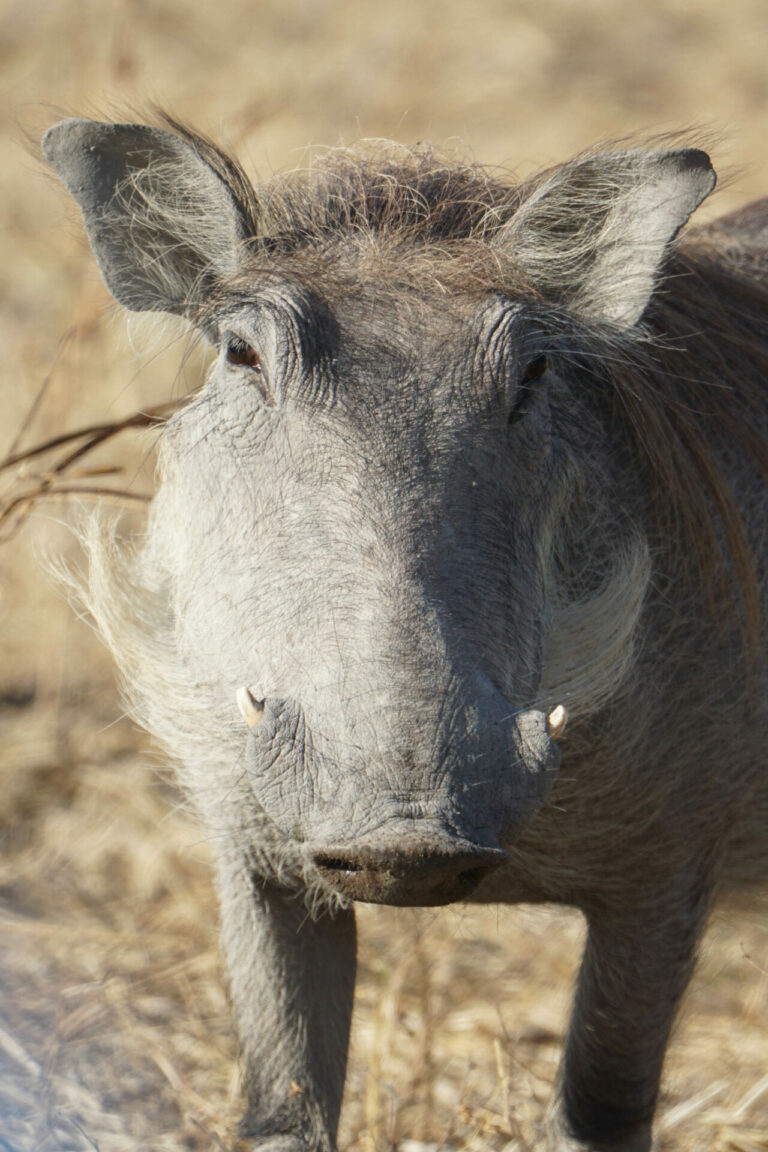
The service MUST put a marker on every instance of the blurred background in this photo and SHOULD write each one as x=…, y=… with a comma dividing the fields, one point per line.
x=115, y=1032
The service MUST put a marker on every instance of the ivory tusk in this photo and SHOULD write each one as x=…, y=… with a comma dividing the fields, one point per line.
x=556, y=721
x=252, y=709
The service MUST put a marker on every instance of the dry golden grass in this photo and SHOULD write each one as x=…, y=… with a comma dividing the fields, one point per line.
x=114, y=1027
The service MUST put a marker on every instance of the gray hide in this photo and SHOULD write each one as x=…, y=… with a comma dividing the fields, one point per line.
x=443, y=480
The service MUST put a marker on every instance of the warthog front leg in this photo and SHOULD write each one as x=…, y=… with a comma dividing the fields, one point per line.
x=292, y=983
x=636, y=965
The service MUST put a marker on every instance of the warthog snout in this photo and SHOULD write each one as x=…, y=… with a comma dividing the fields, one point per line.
x=423, y=874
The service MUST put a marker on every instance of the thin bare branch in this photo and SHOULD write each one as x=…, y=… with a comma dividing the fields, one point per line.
x=95, y=434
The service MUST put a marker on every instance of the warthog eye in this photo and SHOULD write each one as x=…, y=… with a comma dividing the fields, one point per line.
x=533, y=372
x=241, y=354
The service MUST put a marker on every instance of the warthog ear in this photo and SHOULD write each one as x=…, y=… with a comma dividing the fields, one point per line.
x=593, y=234
x=161, y=221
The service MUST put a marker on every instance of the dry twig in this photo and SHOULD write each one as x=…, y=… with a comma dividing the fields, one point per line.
x=61, y=478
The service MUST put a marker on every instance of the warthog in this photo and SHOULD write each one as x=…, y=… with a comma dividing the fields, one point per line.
x=474, y=455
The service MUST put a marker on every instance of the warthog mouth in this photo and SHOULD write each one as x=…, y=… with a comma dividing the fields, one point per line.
x=416, y=878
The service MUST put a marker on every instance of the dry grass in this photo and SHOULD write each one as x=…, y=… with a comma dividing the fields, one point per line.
x=114, y=1027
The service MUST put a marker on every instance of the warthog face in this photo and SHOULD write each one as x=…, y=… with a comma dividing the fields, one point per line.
x=360, y=522
x=364, y=516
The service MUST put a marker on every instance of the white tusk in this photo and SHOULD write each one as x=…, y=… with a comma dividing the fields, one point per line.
x=252, y=709
x=556, y=721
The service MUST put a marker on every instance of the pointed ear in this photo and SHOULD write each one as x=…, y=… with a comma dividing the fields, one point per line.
x=162, y=220
x=593, y=234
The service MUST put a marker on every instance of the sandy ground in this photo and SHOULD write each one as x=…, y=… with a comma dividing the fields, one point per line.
x=115, y=1032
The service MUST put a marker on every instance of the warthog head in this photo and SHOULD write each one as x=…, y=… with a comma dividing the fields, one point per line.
x=388, y=523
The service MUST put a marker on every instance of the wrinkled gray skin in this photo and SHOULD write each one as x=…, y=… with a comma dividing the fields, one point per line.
x=359, y=532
